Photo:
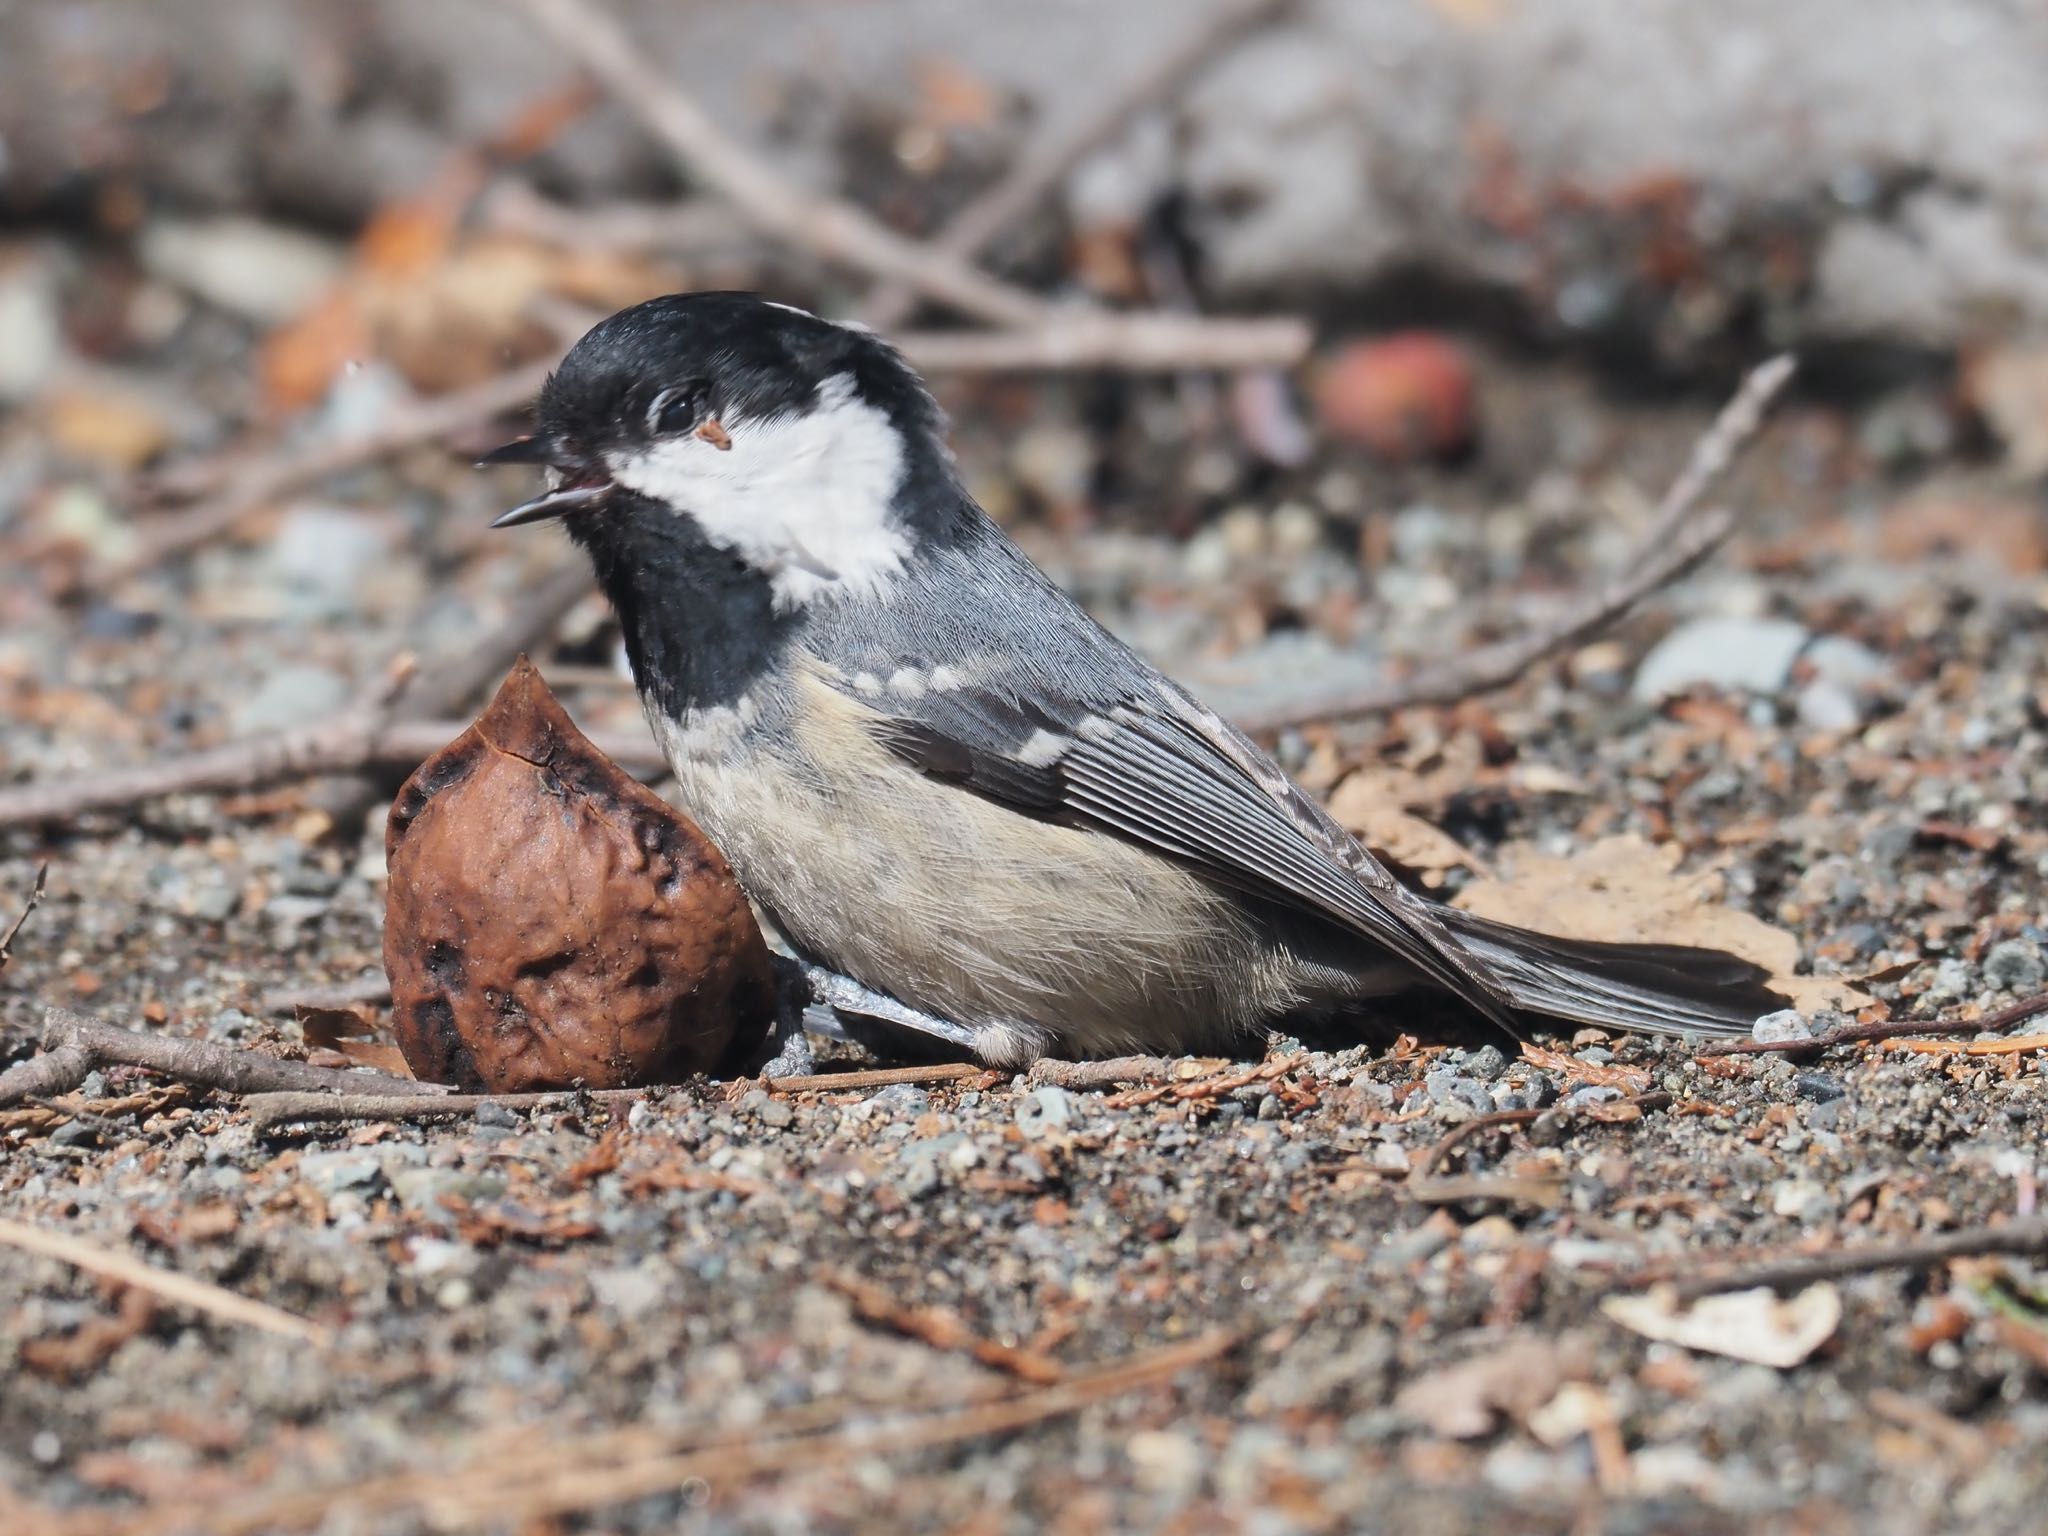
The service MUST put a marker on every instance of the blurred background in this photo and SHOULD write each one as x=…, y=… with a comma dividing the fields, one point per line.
x=1312, y=345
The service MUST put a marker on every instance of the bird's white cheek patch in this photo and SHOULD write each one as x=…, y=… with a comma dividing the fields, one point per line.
x=807, y=499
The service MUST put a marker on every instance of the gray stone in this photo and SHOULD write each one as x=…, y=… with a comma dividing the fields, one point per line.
x=1785, y=1024
x=1752, y=655
x=333, y=1172
x=294, y=694
x=1487, y=1063
x=1045, y=1111
x=2017, y=966
x=902, y=1099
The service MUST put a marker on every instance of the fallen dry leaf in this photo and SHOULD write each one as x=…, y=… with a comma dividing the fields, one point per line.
x=1756, y=1325
x=1614, y=1075
x=1511, y=1379
x=1626, y=890
x=348, y=1034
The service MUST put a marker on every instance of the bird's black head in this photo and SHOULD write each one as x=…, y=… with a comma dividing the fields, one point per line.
x=807, y=450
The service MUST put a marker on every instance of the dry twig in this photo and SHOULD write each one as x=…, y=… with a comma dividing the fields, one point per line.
x=35, y=899
x=1085, y=338
x=1459, y=1134
x=834, y=229
x=74, y=1044
x=1674, y=542
x=1852, y=1034
x=827, y=226
x=943, y=1329
x=377, y=732
x=267, y=1111
x=1089, y=1076
x=2021, y=1239
x=180, y=1290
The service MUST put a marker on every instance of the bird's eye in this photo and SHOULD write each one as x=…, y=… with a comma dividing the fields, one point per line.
x=675, y=410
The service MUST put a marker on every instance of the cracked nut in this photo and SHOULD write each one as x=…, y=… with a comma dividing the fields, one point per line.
x=552, y=922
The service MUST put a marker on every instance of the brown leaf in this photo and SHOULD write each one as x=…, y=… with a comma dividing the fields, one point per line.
x=1510, y=1379
x=347, y=1033
x=1625, y=890
x=1614, y=1075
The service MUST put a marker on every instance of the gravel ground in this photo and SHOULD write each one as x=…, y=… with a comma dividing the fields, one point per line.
x=1368, y=1336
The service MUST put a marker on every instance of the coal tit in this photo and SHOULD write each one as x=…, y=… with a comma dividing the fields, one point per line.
x=965, y=805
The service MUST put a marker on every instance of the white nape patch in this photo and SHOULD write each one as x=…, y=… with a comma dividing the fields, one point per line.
x=1042, y=749
x=807, y=498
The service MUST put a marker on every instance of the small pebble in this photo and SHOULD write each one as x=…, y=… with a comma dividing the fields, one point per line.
x=1818, y=1086
x=902, y=1099
x=1487, y=1063
x=1045, y=1111
x=1785, y=1024
x=2017, y=966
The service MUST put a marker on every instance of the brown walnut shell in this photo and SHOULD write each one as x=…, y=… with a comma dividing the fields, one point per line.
x=552, y=921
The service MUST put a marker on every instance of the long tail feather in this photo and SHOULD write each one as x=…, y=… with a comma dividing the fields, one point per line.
x=1664, y=989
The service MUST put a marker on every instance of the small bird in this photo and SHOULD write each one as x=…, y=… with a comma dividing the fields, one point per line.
x=966, y=807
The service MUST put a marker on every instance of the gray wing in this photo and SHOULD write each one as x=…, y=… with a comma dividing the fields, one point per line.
x=1074, y=727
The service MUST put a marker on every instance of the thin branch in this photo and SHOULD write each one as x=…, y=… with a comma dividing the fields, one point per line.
x=203, y=1063
x=941, y=1328
x=180, y=1290
x=1093, y=1076
x=1043, y=166
x=878, y=1077
x=2021, y=1239
x=374, y=733
x=836, y=230
x=1140, y=342
x=35, y=899
x=1675, y=541
x=267, y=1111
x=1852, y=1034
x=45, y=1075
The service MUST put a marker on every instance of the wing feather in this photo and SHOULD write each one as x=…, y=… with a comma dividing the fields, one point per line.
x=1161, y=771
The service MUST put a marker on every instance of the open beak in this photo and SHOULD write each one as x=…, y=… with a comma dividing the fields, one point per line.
x=584, y=483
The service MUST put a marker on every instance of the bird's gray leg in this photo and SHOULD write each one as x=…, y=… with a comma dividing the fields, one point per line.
x=817, y=999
